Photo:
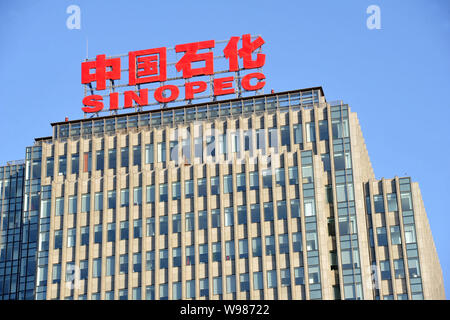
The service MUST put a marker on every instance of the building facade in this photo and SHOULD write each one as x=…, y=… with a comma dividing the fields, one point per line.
x=264, y=197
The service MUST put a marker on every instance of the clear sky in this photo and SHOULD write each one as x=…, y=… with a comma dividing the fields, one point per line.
x=396, y=78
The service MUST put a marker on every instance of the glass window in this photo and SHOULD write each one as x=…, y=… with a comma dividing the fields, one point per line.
x=229, y=250
x=163, y=225
x=258, y=281
x=150, y=194
x=229, y=216
x=311, y=241
x=202, y=220
x=326, y=161
x=56, y=273
x=281, y=210
x=267, y=178
x=163, y=291
x=72, y=204
x=204, y=287
x=100, y=159
x=176, y=223
x=244, y=282
x=163, y=259
x=254, y=180
x=136, y=155
x=71, y=237
x=231, y=284
x=242, y=214
x=310, y=132
x=297, y=242
x=163, y=192
x=240, y=182
x=85, y=202
x=255, y=213
x=293, y=175
x=270, y=245
x=124, y=197
x=111, y=232
x=283, y=243
x=110, y=266
x=112, y=158
x=392, y=202
x=137, y=228
x=84, y=235
x=137, y=262
x=203, y=253
x=176, y=290
x=59, y=209
x=98, y=201
x=385, y=270
x=150, y=260
x=310, y=209
x=215, y=218
x=215, y=188
x=399, y=268
x=285, y=276
x=299, y=274
x=98, y=233
x=58, y=239
x=243, y=249
x=75, y=162
x=201, y=183
x=112, y=199
x=279, y=176
x=124, y=157
x=190, y=255
x=123, y=263
x=176, y=257
x=395, y=235
x=228, y=184
x=176, y=190
x=83, y=269
x=298, y=135
x=295, y=208
x=216, y=251
x=189, y=221
x=382, y=236
x=406, y=201
x=189, y=189
x=285, y=136
x=97, y=268
x=190, y=289
x=323, y=129
x=162, y=152
x=137, y=196
x=149, y=153
x=313, y=275
x=124, y=230
x=62, y=165
x=410, y=234
x=413, y=267
x=268, y=211
x=271, y=278
x=256, y=247
x=379, y=203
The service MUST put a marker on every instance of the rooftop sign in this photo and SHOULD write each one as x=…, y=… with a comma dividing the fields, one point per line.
x=190, y=71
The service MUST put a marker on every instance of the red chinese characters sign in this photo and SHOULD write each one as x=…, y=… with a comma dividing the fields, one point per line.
x=150, y=66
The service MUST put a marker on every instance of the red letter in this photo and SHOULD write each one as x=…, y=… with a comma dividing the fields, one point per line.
x=100, y=75
x=248, y=47
x=93, y=102
x=151, y=63
x=246, y=81
x=141, y=99
x=231, y=53
x=113, y=101
x=174, y=93
x=223, y=86
x=191, y=55
x=189, y=89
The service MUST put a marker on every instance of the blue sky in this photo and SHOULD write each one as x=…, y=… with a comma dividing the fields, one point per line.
x=396, y=78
